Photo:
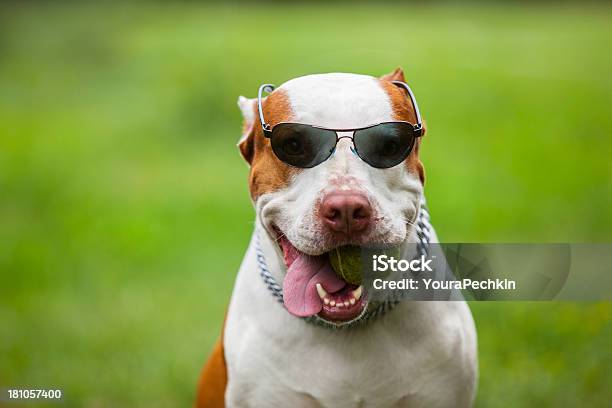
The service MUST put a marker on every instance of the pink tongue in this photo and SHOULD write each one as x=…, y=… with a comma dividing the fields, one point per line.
x=299, y=287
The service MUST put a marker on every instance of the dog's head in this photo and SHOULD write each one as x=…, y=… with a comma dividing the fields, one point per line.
x=342, y=201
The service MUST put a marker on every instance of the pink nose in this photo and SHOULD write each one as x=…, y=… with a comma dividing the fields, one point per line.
x=348, y=212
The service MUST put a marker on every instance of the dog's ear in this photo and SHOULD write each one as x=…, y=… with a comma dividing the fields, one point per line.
x=397, y=75
x=245, y=144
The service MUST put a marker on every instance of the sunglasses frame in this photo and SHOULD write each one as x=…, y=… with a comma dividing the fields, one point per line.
x=417, y=128
x=354, y=148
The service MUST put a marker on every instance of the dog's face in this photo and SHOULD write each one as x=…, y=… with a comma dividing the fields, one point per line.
x=342, y=201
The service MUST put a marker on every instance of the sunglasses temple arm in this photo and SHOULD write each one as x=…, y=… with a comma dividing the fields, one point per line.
x=419, y=125
x=264, y=88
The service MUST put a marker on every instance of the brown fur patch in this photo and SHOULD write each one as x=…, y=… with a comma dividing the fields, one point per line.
x=268, y=173
x=400, y=102
x=213, y=379
x=403, y=110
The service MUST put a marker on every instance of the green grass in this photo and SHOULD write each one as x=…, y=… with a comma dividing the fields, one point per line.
x=124, y=210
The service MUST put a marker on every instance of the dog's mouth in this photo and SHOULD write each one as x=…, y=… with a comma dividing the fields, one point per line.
x=311, y=287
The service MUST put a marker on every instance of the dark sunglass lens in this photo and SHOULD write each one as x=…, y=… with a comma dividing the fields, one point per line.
x=302, y=145
x=385, y=145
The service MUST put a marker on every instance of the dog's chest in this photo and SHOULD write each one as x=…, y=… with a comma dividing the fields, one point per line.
x=300, y=365
x=419, y=354
x=338, y=374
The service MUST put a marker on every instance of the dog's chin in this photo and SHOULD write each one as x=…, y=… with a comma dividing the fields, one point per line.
x=311, y=287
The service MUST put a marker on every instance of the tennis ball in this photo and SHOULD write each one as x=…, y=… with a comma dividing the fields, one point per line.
x=346, y=262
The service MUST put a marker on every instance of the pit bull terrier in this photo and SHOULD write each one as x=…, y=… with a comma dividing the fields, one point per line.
x=334, y=161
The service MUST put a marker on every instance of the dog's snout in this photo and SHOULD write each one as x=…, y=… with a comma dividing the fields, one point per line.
x=348, y=212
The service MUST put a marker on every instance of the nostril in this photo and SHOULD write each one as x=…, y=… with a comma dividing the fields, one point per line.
x=361, y=213
x=331, y=213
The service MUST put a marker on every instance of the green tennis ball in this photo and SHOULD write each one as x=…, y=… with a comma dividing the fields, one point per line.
x=346, y=262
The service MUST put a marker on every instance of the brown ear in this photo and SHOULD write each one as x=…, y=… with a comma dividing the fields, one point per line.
x=245, y=144
x=397, y=75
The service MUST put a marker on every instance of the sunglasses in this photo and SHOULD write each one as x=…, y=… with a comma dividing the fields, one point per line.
x=382, y=145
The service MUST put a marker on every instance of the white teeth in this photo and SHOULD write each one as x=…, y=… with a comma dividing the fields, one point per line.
x=322, y=293
x=357, y=292
x=355, y=296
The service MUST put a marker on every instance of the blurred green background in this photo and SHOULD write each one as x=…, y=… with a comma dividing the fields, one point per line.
x=124, y=209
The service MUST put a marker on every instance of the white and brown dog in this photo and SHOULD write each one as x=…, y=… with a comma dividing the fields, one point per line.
x=420, y=354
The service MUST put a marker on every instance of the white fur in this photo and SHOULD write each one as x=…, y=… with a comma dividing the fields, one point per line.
x=420, y=354
x=338, y=100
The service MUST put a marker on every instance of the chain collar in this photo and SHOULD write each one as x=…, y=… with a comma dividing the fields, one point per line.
x=373, y=309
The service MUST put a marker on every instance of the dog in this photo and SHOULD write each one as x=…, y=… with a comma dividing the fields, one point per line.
x=284, y=342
